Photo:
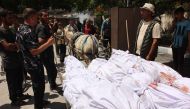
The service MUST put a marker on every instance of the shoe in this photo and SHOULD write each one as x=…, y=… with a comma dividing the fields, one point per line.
x=53, y=88
x=38, y=108
x=25, y=96
x=45, y=102
x=53, y=85
x=18, y=103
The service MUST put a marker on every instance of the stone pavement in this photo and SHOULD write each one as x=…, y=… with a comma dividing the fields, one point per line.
x=56, y=99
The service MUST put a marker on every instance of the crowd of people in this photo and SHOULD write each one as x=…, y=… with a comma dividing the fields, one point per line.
x=149, y=34
x=27, y=48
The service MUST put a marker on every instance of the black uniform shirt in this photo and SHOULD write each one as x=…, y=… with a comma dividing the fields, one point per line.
x=11, y=59
x=27, y=40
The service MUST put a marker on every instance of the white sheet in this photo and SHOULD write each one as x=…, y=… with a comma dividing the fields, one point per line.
x=125, y=81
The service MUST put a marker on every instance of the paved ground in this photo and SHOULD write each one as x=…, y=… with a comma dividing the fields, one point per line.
x=57, y=100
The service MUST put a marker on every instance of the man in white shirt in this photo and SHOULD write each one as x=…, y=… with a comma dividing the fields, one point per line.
x=148, y=34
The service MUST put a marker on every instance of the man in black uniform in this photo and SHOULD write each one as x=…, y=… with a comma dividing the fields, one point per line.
x=43, y=32
x=30, y=48
x=12, y=61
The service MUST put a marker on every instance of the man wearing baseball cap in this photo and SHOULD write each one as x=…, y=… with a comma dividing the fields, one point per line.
x=148, y=33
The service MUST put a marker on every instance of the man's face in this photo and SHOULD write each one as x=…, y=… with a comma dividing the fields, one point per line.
x=145, y=13
x=179, y=16
x=45, y=17
x=34, y=20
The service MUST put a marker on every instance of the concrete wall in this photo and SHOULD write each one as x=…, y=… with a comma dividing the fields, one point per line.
x=118, y=27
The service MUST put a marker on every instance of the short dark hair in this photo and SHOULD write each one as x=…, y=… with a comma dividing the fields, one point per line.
x=179, y=10
x=42, y=11
x=28, y=12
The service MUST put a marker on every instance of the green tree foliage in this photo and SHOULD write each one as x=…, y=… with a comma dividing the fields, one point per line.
x=80, y=5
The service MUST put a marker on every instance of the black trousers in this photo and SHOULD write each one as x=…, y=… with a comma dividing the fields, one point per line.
x=105, y=42
x=14, y=79
x=61, y=51
x=38, y=85
x=48, y=62
x=178, y=59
